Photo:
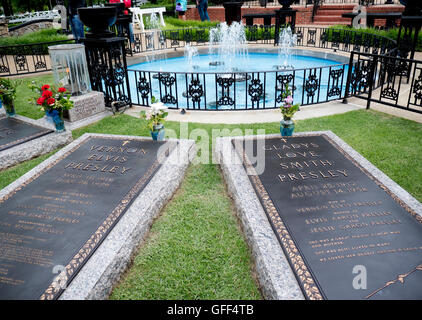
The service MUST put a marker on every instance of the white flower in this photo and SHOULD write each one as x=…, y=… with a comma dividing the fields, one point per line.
x=157, y=107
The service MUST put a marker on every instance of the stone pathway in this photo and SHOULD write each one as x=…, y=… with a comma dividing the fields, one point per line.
x=273, y=115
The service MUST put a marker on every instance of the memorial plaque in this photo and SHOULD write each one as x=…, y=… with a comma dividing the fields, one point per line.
x=14, y=132
x=345, y=235
x=59, y=217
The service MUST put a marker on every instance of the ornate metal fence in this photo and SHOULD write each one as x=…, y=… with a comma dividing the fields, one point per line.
x=24, y=59
x=238, y=90
x=316, y=37
x=388, y=80
x=257, y=90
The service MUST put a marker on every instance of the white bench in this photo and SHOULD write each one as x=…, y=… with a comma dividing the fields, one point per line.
x=137, y=16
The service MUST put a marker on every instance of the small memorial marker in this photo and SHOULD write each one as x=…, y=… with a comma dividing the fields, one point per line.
x=14, y=132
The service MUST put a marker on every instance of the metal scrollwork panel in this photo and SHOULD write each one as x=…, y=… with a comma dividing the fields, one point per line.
x=281, y=81
x=311, y=85
x=389, y=93
x=149, y=41
x=225, y=82
x=21, y=62
x=311, y=37
x=417, y=89
x=360, y=76
x=335, y=88
x=144, y=88
x=195, y=91
x=255, y=90
x=167, y=88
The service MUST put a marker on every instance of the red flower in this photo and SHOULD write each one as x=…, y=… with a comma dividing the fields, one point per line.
x=40, y=100
x=51, y=101
x=62, y=89
x=45, y=87
x=47, y=94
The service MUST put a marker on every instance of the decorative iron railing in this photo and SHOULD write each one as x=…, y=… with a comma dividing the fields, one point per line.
x=25, y=59
x=237, y=90
x=316, y=37
x=257, y=90
x=388, y=80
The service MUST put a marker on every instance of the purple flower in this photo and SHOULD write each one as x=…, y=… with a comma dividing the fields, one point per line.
x=289, y=100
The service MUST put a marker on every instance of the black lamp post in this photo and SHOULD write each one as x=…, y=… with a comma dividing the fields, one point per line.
x=233, y=12
x=411, y=22
x=106, y=55
x=281, y=17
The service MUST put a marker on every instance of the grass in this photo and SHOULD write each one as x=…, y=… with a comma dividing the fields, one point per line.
x=45, y=35
x=195, y=249
x=23, y=93
x=391, y=143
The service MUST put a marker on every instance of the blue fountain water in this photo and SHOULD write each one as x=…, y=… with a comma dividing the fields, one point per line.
x=253, y=65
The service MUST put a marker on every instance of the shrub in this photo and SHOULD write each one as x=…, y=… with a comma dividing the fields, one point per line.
x=45, y=35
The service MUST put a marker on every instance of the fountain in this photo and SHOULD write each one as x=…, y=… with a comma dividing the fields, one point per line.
x=230, y=43
x=190, y=54
x=287, y=40
x=152, y=22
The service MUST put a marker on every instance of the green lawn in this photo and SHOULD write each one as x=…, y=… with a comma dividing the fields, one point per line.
x=195, y=249
x=23, y=93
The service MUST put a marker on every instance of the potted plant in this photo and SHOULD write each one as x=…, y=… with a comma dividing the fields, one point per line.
x=288, y=109
x=53, y=102
x=155, y=118
x=8, y=95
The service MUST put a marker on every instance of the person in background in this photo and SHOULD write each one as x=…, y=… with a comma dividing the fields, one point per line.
x=129, y=30
x=202, y=6
x=181, y=7
x=75, y=23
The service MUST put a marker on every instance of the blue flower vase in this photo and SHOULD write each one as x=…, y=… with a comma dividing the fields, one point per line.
x=287, y=126
x=10, y=110
x=56, y=116
x=59, y=125
x=158, y=133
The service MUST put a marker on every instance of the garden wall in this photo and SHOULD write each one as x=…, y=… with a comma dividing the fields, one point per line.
x=303, y=15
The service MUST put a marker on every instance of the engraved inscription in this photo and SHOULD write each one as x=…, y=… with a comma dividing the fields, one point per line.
x=339, y=216
x=60, y=216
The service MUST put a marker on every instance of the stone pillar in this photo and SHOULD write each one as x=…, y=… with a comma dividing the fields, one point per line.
x=4, y=28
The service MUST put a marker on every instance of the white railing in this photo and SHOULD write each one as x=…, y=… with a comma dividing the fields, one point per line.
x=30, y=16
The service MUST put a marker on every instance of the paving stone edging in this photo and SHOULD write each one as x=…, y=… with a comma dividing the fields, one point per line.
x=276, y=279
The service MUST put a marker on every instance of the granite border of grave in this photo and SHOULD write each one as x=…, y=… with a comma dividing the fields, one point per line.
x=103, y=269
x=275, y=276
x=35, y=147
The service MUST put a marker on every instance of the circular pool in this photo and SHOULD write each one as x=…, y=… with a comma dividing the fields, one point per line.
x=254, y=80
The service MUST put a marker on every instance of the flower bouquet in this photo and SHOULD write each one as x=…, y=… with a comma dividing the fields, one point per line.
x=155, y=118
x=288, y=109
x=53, y=102
x=8, y=95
